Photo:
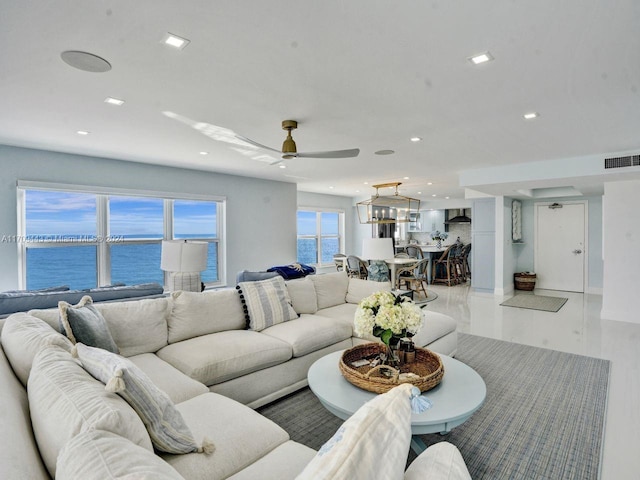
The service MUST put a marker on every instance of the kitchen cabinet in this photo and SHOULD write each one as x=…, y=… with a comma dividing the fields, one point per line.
x=432, y=220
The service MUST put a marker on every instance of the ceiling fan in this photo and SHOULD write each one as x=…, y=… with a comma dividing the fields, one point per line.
x=289, y=149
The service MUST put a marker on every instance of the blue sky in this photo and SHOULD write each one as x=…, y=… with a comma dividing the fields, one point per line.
x=307, y=223
x=64, y=213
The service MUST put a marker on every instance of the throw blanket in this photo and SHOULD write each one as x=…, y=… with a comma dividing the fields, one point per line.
x=295, y=270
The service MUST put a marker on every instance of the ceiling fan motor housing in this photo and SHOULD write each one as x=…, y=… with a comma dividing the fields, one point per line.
x=289, y=148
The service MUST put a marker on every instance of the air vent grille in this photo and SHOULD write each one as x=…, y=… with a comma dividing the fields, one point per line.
x=619, y=162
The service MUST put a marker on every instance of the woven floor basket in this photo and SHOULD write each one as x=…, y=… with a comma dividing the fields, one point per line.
x=428, y=366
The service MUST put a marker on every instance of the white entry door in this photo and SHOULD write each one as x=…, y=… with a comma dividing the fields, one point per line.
x=560, y=246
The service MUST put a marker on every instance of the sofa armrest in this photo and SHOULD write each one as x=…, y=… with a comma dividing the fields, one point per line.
x=440, y=461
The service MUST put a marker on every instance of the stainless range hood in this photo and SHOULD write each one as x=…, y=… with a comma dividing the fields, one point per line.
x=460, y=218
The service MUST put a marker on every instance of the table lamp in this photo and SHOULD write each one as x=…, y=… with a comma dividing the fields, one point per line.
x=377, y=250
x=184, y=260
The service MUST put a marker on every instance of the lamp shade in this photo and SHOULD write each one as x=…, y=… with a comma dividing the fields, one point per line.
x=183, y=256
x=377, y=248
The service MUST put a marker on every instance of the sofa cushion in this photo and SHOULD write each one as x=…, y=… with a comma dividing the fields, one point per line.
x=345, y=312
x=83, y=323
x=242, y=436
x=435, y=325
x=221, y=356
x=194, y=313
x=303, y=295
x=23, y=336
x=310, y=333
x=359, y=289
x=266, y=303
x=19, y=455
x=331, y=288
x=285, y=461
x=165, y=425
x=65, y=400
x=167, y=378
x=372, y=443
x=137, y=326
x=442, y=460
x=100, y=455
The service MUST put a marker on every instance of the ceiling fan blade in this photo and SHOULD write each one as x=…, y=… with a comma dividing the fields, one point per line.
x=256, y=144
x=334, y=154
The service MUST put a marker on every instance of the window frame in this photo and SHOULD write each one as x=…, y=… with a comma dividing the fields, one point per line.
x=103, y=254
x=319, y=236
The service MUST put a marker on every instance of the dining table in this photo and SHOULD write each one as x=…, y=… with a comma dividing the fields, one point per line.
x=394, y=263
x=430, y=252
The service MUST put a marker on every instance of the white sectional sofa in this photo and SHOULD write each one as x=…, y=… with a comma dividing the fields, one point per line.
x=195, y=347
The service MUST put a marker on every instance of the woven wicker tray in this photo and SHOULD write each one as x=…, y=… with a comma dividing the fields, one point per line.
x=428, y=366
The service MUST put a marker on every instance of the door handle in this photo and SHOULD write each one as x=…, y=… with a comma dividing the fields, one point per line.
x=577, y=252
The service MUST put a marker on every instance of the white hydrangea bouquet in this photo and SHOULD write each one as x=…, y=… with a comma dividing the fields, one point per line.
x=388, y=317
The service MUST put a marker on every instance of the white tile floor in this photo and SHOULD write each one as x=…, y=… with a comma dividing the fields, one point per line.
x=576, y=328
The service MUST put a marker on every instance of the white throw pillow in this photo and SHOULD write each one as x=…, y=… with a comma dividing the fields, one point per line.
x=167, y=429
x=266, y=303
x=331, y=288
x=372, y=443
x=100, y=455
x=303, y=295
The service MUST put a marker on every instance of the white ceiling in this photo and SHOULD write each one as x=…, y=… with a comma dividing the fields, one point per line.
x=358, y=73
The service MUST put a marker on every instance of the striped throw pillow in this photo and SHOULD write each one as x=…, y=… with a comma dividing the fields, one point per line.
x=266, y=303
x=167, y=429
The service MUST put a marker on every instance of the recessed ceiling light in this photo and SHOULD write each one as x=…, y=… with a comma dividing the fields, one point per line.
x=433, y=195
x=531, y=115
x=175, y=41
x=357, y=191
x=204, y=153
x=83, y=132
x=429, y=183
x=419, y=193
x=366, y=183
x=330, y=188
x=405, y=178
x=447, y=198
x=384, y=152
x=415, y=139
x=481, y=58
x=114, y=101
x=282, y=166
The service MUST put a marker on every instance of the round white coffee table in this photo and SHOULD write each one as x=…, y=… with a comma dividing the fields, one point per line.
x=460, y=393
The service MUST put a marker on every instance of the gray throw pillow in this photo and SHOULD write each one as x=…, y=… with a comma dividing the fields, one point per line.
x=83, y=323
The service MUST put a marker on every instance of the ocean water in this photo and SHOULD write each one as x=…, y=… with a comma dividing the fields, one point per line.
x=131, y=264
x=76, y=266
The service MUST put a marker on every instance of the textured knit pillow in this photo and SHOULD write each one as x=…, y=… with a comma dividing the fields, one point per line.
x=167, y=429
x=266, y=303
x=83, y=323
x=372, y=443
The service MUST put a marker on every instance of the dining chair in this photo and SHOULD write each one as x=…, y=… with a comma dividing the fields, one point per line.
x=356, y=267
x=414, y=252
x=415, y=276
x=443, y=271
x=465, y=261
x=338, y=259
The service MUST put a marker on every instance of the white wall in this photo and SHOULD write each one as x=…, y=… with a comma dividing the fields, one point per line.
x=261, y=214
x=621, y=232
